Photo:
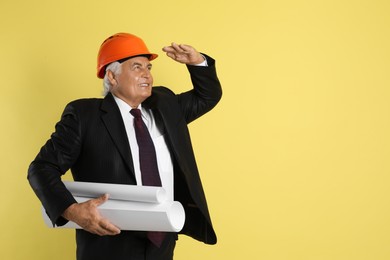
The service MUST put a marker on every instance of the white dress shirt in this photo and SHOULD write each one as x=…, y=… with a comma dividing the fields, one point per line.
x=164, y=160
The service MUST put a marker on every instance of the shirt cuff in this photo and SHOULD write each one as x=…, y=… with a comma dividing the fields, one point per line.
x=204, y=63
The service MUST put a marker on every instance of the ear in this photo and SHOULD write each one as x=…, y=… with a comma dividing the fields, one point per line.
x=111, y=78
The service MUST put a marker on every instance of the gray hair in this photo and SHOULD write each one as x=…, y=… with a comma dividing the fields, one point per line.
x=116, y=68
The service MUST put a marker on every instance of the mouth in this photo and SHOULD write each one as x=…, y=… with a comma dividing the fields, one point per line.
x=144, y=85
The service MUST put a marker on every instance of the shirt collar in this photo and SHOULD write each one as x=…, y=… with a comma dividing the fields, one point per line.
x=125, y=108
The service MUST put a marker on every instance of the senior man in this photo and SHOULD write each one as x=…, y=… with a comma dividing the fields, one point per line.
x=98, y=139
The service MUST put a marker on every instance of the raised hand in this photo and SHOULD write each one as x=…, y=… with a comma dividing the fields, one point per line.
x=183, y=53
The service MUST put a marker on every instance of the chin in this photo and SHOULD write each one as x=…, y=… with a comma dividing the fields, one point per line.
x=148, y=93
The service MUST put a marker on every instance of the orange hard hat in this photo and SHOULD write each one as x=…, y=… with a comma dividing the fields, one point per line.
x=120, y=46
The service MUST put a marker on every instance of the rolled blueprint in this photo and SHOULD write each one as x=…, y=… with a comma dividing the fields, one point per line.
x=168, y=216
x=117, y=191
x=129, y=207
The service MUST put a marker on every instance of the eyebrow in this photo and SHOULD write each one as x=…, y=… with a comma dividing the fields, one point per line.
x=140, y=64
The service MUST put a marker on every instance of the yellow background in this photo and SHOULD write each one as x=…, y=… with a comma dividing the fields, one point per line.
x=295, y=158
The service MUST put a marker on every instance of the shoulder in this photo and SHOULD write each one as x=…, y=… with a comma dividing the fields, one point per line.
x=161, y=90
x=85, y=102
x=84, y=105
x=161, y=98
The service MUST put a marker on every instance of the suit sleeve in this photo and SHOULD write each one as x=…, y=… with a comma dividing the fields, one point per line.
x=206, y=91
x=55, y=159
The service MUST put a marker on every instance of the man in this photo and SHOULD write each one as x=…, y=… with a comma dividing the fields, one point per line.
x=97, y=139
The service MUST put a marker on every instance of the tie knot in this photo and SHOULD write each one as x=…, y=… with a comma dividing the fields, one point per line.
x=136, y=112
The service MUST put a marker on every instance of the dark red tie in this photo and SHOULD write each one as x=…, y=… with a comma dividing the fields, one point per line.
x=148, y=163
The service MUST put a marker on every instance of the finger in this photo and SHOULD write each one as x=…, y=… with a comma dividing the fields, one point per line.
x=168, y=49
x=110, y=229
x=103, y=232
x=171, y=55
x=176, y=47
x=100, y=200
x=98, y=231
x=186, y=48
x=103, y=228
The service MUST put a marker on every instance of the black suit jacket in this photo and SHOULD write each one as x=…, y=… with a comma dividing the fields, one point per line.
x=91, y=140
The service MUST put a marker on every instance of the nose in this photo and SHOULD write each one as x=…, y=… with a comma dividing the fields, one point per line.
x=146, y=73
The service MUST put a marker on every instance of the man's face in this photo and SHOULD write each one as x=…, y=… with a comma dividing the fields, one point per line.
x=134, y=83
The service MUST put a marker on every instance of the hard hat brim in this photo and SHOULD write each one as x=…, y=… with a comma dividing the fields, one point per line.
x=102, y=69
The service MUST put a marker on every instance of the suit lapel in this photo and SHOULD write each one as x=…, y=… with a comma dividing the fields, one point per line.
x=115, y=127
x=166, y=118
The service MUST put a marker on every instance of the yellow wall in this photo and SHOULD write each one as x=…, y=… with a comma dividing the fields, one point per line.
x=294, y=160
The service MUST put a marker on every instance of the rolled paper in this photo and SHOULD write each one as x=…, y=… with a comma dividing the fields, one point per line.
x=117, y=191
x=129, y=207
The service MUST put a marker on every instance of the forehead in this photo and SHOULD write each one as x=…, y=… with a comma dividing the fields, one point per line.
x=137, y=60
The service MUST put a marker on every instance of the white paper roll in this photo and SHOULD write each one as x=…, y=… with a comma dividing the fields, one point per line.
x=117, y=191
x=168, y=216
x=129, y=207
